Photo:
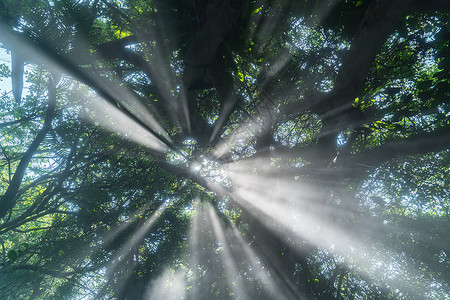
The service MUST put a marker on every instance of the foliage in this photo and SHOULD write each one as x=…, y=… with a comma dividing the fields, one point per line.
x=225, y=149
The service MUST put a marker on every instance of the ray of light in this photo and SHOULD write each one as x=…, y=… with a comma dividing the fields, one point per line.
x=303, y=197
x=124, y=96
x=171, y=285
x=137, y=237
x=108, y=238
x=263, y=33
x=164, y=78
x=194, y=249
x=112, y=119
x=243, y=135
x=109, y=91
x=132, y=103
x=184, y=97
x=246, y=133
x=233, y=256
x=205, y=264
x=304, y=218
x=105, y=240
x=269, y=284
x=231, y=270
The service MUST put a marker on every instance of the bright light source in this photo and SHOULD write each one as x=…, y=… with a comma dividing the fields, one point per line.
x=211, y=170
x=196, y=167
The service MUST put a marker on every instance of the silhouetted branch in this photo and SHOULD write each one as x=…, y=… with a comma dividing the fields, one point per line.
x=435, y=141
x=9, y=198
x=27, y=118
x=105, y=88
x=44, y=271
x=380, y=20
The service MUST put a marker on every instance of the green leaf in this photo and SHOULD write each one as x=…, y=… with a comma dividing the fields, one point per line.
x=425, y=84
x=425, y=95
x=12, y=255
x=444, y=64
x=241, y=76
x=4, y=71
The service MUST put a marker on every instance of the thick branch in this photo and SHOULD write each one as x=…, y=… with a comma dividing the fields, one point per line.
x=269, y=245
x=44, y=271
x=380, y=20
x=17, y=75
x=25, y=119
x=108, y=50
x=105, y=88
x=9, y=198
x=435, y=141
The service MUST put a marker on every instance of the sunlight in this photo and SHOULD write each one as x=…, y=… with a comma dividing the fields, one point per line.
x=266, y=276
x=170, y=285
x=195, y=251
x=122, y=227
x=231, y=270
x=211, y=171
x=101, y=112
x=246, y=133
x=107, y=115
x=115, y=90
x=134, y=240
x=303, y=215
x=211, y=241
x=196, y=167
x=224, y=149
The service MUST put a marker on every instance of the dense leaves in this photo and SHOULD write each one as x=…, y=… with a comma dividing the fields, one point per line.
x=207, y=149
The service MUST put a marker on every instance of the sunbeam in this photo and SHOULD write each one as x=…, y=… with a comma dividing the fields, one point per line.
x=170, y=285
x=223, y=149
x=303, y=215
x=112, y=119
x=134, y=240
x=233, y=278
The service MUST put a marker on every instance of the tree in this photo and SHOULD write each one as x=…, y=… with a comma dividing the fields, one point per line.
x=225, y=149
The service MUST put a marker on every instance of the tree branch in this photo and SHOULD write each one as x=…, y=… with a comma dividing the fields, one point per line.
x=43, y=271
x=8, y=200
x=380, y=20
x=435, y=141
x=107, y=89
x=27, y=118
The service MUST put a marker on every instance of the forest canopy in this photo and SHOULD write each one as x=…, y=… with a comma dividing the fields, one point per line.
x=224, y=149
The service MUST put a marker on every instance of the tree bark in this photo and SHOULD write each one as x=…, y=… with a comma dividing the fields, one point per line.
x=8, y=200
